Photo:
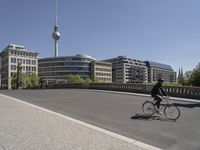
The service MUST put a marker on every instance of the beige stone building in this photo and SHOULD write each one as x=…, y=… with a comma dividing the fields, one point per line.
x=10, y=58
x=101, y=71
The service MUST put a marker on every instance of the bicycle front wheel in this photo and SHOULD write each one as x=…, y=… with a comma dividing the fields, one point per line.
x=148, y=108
x=172, y=112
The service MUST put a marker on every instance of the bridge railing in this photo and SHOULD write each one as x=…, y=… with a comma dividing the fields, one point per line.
x=176, y=91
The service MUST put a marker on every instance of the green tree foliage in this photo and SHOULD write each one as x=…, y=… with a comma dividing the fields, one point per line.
x=75, y=79
x=88, y=80
x=78, y=79
x=97, y=80
x=194, y=78
x=14, y=81
x=27, y=81
x=24, y=80
x=34, y=80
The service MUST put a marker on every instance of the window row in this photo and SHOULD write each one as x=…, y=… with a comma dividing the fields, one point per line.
x=63, y=64
x=23, y=53
x=23, y=61
x=86, y=69
x=103, y=69
x=24, y=68
x=103, y=74
x=64, y=74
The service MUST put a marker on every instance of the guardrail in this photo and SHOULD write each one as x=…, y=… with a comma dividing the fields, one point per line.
x=175, y=91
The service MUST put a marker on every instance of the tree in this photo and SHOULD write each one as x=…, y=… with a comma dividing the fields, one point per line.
x=185, y=80
x=75, y=79
x=97, y=80
x=34, y=80
x=88, y=80
x=24, y=80
x=14, y=81
x=195, y=76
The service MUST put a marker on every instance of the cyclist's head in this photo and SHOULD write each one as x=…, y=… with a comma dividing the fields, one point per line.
x=160, y=80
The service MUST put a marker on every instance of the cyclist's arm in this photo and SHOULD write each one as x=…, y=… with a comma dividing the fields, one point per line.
x=163, y=92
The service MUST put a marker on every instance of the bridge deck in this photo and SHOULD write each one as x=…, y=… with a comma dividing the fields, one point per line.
x=121, y=114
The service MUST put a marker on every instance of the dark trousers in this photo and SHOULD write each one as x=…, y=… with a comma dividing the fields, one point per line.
x=158, y=99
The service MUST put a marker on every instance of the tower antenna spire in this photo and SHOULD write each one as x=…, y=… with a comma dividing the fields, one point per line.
x=56, y=34
x=56, y=17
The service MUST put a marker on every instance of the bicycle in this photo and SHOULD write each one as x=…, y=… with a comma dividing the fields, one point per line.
x=170, y=110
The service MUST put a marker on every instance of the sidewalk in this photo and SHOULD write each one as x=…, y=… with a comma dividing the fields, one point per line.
x=28, y=127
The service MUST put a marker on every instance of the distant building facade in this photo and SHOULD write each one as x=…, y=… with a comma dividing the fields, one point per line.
x=101, y=71
x=127, y=70
x=59, y=68
x=10, y=57
x=158, y=70
x=120, y=69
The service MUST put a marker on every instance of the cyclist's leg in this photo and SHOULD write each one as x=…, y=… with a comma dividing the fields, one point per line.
x=158, y=99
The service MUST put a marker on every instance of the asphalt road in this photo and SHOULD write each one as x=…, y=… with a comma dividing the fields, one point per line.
x=121, y=114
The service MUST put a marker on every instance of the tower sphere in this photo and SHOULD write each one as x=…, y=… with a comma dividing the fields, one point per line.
x=56, y=35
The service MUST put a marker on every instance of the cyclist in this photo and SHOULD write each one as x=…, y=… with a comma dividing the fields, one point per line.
x=157, y=92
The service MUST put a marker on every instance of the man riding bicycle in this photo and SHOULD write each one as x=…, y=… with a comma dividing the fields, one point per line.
x=157, y=92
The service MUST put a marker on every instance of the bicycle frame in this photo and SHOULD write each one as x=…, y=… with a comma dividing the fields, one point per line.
x=163, y=104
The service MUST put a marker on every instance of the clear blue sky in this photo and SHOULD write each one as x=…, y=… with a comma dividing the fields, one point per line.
x=165, y=31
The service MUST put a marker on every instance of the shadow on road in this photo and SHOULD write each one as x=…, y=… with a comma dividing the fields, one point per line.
x=150, y=118
x=188, y=105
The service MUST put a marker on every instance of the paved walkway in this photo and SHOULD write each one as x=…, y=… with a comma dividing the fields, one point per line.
x=25, y=126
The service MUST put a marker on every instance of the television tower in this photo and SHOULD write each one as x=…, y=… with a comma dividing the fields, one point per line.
x=56, y=34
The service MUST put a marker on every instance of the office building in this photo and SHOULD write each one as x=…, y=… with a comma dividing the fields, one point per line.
x=58, y=69
x=101, y=71
x=10, y=58
x=158, y=70
x=127, y=70
x=55, y=69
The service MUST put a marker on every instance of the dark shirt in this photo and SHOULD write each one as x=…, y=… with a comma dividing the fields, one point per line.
x=158, y=90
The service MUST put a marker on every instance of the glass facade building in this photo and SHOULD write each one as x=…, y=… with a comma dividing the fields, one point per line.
x=55, y=69
x=160, y=71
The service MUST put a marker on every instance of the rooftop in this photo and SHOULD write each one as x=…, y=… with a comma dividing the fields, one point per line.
x=16, y=47
x=158, y=65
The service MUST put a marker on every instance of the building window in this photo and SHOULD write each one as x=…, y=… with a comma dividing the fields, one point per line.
x=28, y=61
x=33, y=68
x=19, y=60
x=13, y=67
x=13, y=60
x=34, y=62
x=13, y=74
x=28, y=68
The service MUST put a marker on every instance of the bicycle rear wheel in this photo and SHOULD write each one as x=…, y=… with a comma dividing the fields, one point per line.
x=148, y=108
x=172, y=112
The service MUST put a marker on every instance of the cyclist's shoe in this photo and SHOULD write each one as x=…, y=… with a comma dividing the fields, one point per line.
x=159, y=112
